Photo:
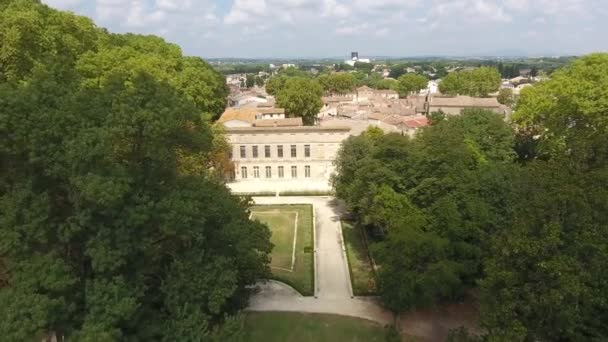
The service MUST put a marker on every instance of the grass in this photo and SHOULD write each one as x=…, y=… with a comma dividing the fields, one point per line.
x=302, y=327
x=283, y=230
x=362, y=274
x=280, y=219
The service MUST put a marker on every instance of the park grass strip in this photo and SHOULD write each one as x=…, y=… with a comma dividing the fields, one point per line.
x=362, y=274
x=295, y=236
x=302, y=279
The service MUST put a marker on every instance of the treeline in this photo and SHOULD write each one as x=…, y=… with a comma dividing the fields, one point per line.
x=517, y=216
x=478, y=82
x=114, y=221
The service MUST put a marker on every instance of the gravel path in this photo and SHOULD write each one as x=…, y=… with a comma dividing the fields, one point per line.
x=333, y=292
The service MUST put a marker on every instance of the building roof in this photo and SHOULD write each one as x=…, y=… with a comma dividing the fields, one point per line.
x=376, y=116
x=330, y=99
x=409, y=122
x=290, y=122
x=464, y=101
x=271, y=110
x=246, y=114
x=386, y=91
x=291, y=129
x=417, y=123
x=365, y=88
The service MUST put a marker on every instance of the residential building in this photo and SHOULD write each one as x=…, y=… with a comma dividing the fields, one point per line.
x=455, y=105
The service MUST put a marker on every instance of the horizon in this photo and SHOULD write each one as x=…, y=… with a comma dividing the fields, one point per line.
x=267, y=29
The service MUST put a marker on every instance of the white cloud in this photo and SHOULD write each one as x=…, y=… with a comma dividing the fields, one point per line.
x=381, y=26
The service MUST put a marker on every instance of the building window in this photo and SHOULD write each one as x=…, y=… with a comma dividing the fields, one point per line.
x=256, y=172
x=281, y=172
x=230, y=154
x=268, y=172
x=294, y=172
x=243, y=152
x=307, y=171
x=255, y=152
x=293, y=151
x=244, y=172
x=267, y=151
x=280, y=151
x=307, y=151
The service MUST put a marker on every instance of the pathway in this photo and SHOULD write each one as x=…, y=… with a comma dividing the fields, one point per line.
x=333, y=292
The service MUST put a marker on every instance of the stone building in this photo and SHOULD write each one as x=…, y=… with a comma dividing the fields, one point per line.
x=455, y=105
x=284, y=158
x=272, y=153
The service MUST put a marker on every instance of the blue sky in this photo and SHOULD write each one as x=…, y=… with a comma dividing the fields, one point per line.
x=328, y=28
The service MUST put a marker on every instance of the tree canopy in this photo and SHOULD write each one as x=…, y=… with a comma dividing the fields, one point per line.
x=114, y=224
x=301, y=97
x=477, y=82
x=410, y=83
x=454, y=209
x=422, y=195
x=337, y=83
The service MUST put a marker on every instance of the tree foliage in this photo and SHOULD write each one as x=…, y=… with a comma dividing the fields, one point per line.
x=477, y=82
x=427, y=197
x=275, y=84
x=505, y=97
x=113, y=224
x=301, y=97
x=455, y=212
x=544, y=280
x=337, y=83
x=410, y=83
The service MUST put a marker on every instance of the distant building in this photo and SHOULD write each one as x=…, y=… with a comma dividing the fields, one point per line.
x=455, y=105
x=354, y=58
x=525, y=72
x=407, y=125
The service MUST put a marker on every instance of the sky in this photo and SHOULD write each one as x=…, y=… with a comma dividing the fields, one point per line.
x=334, y=28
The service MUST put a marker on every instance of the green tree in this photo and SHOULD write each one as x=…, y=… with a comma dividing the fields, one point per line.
x=387, y=84
x=259, y=81
x=275, y=84
x=110, y=229
x=505, y=97
x=477, y=82
x=410, y=83
x=549, y=254
x=570, y=121
x=452, y=176
x=250, y=81
x=337, y=83
x=301, y=97
x=544, y=277
x=364, y=67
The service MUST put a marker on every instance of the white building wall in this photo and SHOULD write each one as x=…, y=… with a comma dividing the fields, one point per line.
x=324, y=145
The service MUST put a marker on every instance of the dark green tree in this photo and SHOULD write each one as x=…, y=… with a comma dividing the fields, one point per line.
x=113, y=225
x=301, y=97
x=410, y=83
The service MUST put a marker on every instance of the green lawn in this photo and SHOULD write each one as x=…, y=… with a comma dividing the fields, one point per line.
x=281, y=220
x=296, y=327
x=361, y=271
